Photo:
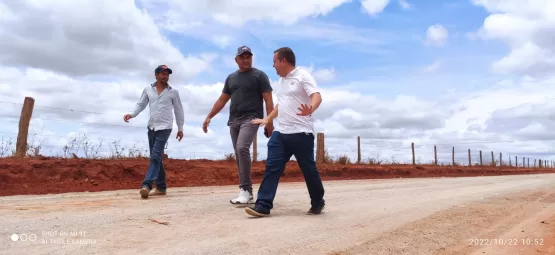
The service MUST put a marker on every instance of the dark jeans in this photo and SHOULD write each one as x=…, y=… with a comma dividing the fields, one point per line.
x=280, y=149
x=156, y=172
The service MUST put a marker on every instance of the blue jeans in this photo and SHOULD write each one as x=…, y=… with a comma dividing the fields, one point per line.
x=156, y=172
x=280, y=149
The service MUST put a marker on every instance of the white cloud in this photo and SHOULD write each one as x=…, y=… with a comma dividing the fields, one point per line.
x=324, y=74
x=66, y=99
x=405, y=5
x=387, y=126
x=527, y=28
x=436, y=34
x=69, y=37
x=237, y=13
x=374, y=7
x=432, y=67
x=267, y=21
x=321, y=74
x=327, y=33
x=223, y=41
x=65, y=105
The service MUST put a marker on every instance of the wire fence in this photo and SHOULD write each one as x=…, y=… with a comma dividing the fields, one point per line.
x=69, y=132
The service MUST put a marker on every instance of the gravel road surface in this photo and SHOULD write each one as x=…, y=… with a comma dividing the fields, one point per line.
x=469, y=215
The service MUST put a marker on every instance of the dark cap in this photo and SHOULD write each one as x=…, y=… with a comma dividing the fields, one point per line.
x=243, y=49
x=161, y=68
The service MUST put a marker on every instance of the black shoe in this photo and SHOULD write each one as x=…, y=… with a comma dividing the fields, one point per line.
x=317, y=210
x=257, y=211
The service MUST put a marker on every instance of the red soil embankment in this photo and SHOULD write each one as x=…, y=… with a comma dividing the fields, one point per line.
x=50, y=175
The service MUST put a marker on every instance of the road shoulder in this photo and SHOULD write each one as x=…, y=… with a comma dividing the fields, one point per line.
x=454, y=231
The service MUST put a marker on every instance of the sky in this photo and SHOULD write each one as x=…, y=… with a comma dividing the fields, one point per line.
x=468, y=74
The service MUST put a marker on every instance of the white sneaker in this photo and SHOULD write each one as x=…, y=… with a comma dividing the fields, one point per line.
x=244, y=197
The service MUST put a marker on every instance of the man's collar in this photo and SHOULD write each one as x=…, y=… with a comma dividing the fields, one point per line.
x=292, y=72
x=154, y=85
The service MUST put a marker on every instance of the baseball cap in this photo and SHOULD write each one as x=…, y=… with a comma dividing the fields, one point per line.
x=243, y=49
x=161, y=68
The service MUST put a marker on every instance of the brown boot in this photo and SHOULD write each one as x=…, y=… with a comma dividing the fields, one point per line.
x=157, y=192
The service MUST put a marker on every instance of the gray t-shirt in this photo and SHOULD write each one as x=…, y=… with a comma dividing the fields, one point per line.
x=245, y=89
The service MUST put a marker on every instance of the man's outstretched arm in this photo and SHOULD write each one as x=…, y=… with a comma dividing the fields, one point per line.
x=311, y=88
x=218, y=105
x=315, y=100
x=178, y=111
x=222, y=100
x=273, y=114
x=266, y=88
x=141, y=105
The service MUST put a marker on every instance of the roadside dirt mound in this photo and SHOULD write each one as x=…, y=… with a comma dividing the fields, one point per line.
x=50, y=175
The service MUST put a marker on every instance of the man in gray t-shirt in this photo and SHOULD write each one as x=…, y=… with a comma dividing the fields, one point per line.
x=248, y=88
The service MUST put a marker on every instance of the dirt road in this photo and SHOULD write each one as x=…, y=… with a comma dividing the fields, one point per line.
x=389, y=216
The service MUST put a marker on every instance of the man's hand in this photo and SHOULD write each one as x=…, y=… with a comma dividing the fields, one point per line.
x=260, y=122
x=305, y=110
x=205, y=125
x=269, y=129
x=179, y=135
x=127, y=117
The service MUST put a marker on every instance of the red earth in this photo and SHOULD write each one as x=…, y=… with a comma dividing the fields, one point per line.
x=54, y=175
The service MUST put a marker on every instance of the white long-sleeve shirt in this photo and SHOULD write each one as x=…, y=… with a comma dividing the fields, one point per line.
x=161, y=108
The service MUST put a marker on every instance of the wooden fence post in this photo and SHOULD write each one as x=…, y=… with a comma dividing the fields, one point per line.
x=320, y=150
x=453, y=156
x=24, y=121
x=435, y=155
x=500, y=159
x=540, y=163
x=516, y=161
x=481, y=162
x=254, y=148
x=492, y=159
x=534, y=163
x=528, y=160
x=413, y=158
x=510, y=162
x=358, y=149
x=469, y=159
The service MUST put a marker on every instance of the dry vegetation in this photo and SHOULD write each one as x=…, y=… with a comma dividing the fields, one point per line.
x=82, y=147
x=77, y=147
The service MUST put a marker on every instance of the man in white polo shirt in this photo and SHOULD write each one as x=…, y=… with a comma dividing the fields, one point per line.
x=297, y=98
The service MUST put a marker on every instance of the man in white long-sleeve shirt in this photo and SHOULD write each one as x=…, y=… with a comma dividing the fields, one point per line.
x=162, y=99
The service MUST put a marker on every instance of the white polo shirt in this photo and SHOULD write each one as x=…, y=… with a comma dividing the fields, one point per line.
x=294, y=89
